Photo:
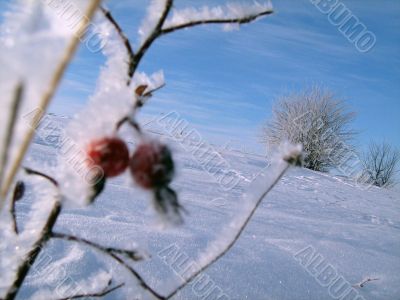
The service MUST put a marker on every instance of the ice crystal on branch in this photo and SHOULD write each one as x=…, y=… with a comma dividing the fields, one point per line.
x=154, y=12
x=230, y=11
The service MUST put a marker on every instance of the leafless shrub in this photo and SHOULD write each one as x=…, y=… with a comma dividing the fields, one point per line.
x=380, y=164
x=318, y=120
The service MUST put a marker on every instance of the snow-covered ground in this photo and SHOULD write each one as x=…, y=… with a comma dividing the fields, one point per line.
x=351, y=233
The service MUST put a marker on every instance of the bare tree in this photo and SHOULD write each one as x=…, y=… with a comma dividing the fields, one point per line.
x=380, y=164
x=316, y=119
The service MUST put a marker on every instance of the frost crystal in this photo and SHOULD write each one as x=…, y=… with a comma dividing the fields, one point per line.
x=228, y=11
x=154, y=12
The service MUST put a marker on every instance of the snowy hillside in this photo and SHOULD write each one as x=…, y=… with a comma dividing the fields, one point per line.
x=353, y=234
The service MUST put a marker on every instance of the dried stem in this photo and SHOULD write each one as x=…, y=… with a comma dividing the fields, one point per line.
x=242, y=20
x=235, y=238
x=107, y=290
x=48, y=95
x=115, y=256
x=16, y=104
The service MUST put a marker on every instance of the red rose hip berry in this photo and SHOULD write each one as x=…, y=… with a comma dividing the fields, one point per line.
x=111, y=154
x=152, y=165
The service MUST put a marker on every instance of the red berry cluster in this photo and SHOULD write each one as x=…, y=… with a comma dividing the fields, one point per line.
x=151, y=166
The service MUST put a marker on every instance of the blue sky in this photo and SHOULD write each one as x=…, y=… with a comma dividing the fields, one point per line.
x=225, y=83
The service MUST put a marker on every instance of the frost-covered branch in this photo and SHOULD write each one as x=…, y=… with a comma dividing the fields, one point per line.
x=290, y=159
x=156, y=32
x=107, y=290
x=124, y=38
x=113, y=254
x=132, y=254
x=232, y=15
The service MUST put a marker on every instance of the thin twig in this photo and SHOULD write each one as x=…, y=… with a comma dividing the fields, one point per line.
x=48, y=95
x=107, y=290
x=131, y=122
x=159, y=30
x=362, y=283
x=30, y=171
x=150, y=93
x=235, y=238
x=115, y=256
x=242, y=20
x=152, y=37
x=125, y=40
x=16, y=104
x=132, y=254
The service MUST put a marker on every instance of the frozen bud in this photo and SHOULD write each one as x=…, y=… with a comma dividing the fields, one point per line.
x=19, y=190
